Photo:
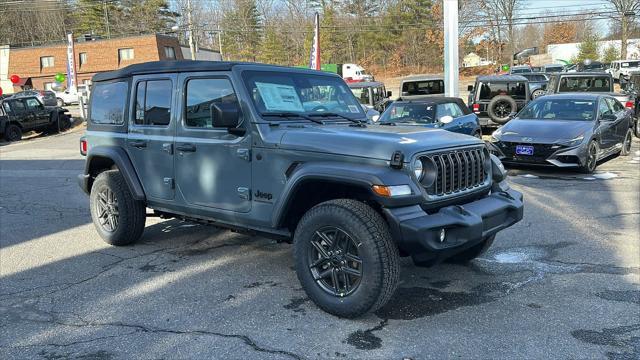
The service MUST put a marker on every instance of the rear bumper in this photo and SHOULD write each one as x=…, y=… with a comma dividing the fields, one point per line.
x=418, y=233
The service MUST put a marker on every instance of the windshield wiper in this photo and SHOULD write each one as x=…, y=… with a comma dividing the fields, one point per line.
x=292, y=115
x=330, y=114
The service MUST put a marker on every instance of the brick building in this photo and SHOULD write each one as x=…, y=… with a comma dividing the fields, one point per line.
x=37, y=66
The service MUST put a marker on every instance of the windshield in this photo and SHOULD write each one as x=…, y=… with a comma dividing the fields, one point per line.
x=489, y=90
x=630, y=64
x=362, y=94
x=409, y=112
x=560, y=109
x=302, y=93
x=585, y=84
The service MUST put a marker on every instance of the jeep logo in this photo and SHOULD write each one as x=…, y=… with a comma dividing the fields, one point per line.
x=262, y=195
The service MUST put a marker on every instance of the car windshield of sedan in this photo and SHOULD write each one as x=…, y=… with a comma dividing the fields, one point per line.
x=409, y=113
x=559, y=109
x=301, y=93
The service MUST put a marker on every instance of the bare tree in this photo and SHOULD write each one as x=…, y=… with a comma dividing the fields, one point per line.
x=501, y=13
x=626, y=11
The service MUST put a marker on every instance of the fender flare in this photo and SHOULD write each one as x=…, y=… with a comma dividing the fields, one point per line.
x=363, y=176
x=124, y=164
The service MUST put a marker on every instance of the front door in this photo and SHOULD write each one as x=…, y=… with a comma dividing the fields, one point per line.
x=213, y=166
x=40, y=115
x=151, y=130
x=20, y=114
x=606, y=128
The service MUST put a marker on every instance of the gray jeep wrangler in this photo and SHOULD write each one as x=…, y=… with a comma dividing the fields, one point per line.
x=284, y=153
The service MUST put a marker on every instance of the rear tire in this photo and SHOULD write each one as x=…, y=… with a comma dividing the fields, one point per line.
x=636, y=127
x=472, y=252
x=537, y=93
x=328, y=229
x=118, y=218
x=626, y=144
x=12, y=133
x=59, y=102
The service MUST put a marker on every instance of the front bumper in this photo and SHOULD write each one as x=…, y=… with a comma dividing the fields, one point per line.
x=418, y=232
x=544, y=154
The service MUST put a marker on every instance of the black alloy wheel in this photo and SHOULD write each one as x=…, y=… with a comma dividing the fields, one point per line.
x=626, y=144
x=334, y=261
x=107, y=210
x=592, y=158
x=12, y=133
x=502, y=108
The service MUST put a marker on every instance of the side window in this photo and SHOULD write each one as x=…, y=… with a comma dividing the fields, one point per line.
x=18, y=106
x=615, y=105
x=448, y=109
x=455, y=110
x=108, y=102
x=201, y=93
x=153, y=103
x=603, y=108
x=34, y=104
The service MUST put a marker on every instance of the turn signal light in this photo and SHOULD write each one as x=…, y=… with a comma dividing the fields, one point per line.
x=629, y=105
x=476, y=108
x=391, y=191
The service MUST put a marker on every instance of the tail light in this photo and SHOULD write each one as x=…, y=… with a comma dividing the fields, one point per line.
x=629, y=105
x=83, y=147
x=476, y=108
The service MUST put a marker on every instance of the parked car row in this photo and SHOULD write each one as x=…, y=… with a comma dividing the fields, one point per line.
x=19, y=114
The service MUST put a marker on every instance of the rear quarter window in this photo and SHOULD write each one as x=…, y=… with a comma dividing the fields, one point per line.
x=108, y=103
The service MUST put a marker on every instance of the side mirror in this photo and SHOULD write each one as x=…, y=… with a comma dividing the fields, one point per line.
x=225, y=115
x=446, y=119
x=405, y=93
x=388, y=94
x=469, y=88
x=608, y=117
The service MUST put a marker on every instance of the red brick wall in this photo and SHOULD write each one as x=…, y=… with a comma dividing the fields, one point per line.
x=102, y=55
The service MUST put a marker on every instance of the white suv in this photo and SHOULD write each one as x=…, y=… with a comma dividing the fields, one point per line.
x=621, y=69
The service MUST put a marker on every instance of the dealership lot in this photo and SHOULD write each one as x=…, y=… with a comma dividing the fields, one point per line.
x=564, y=281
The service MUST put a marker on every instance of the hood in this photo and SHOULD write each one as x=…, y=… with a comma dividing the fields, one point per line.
x=373, y=141
x=544, y=131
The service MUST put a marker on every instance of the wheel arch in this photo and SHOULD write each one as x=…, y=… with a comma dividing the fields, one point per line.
x=311, y=184
x=103, y=158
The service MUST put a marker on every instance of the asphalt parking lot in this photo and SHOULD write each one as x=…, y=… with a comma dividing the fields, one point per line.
x=563, y=283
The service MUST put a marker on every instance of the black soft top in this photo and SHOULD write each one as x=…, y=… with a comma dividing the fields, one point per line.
x=171, y=66
x=501, y=78
x=582, y=73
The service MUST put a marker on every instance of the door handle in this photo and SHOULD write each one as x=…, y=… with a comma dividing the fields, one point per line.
x=138, y=144
x=186, y=148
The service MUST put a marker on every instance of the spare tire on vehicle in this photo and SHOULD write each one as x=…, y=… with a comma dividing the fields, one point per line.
x=500, y=107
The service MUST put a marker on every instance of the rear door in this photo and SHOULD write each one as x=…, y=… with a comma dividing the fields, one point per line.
x=20, y=114
x=622, y=123
x=213, y=167
x=151, y=132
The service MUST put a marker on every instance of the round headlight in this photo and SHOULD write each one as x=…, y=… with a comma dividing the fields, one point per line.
x=418, y=169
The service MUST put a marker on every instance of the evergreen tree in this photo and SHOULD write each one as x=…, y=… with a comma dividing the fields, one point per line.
x=611, y=53
x=92, y=17
x=242, y=34
x=272, y=49
x=588, y=48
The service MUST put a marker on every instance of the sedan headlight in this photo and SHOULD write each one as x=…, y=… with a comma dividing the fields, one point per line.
x=418, y=169
x=574, y=142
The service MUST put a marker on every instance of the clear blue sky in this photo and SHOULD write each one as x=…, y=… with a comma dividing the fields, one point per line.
x=541, y=7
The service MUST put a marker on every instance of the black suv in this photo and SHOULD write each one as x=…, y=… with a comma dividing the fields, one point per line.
x=285, y=153
x=21, y=114
x=496, y=98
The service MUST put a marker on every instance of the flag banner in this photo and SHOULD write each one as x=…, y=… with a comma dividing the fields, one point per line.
x=71, y=65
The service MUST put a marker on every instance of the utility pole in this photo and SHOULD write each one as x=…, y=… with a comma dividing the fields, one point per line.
x=451, y=47
x=106, y=18
x=220, y=42
x=192, y=45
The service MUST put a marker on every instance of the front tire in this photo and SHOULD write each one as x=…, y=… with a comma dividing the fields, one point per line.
x=12, y=133
x=345, y=258
x=118, y=218
x=591, y=162
x=626, y=144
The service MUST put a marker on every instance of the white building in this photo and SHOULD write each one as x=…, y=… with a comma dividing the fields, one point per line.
x=568, y=51
x=201, y=54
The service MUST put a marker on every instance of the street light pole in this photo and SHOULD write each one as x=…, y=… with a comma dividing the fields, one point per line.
x=451, y=47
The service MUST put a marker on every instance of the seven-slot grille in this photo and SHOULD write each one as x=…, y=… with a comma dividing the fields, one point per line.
x=458, y=170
